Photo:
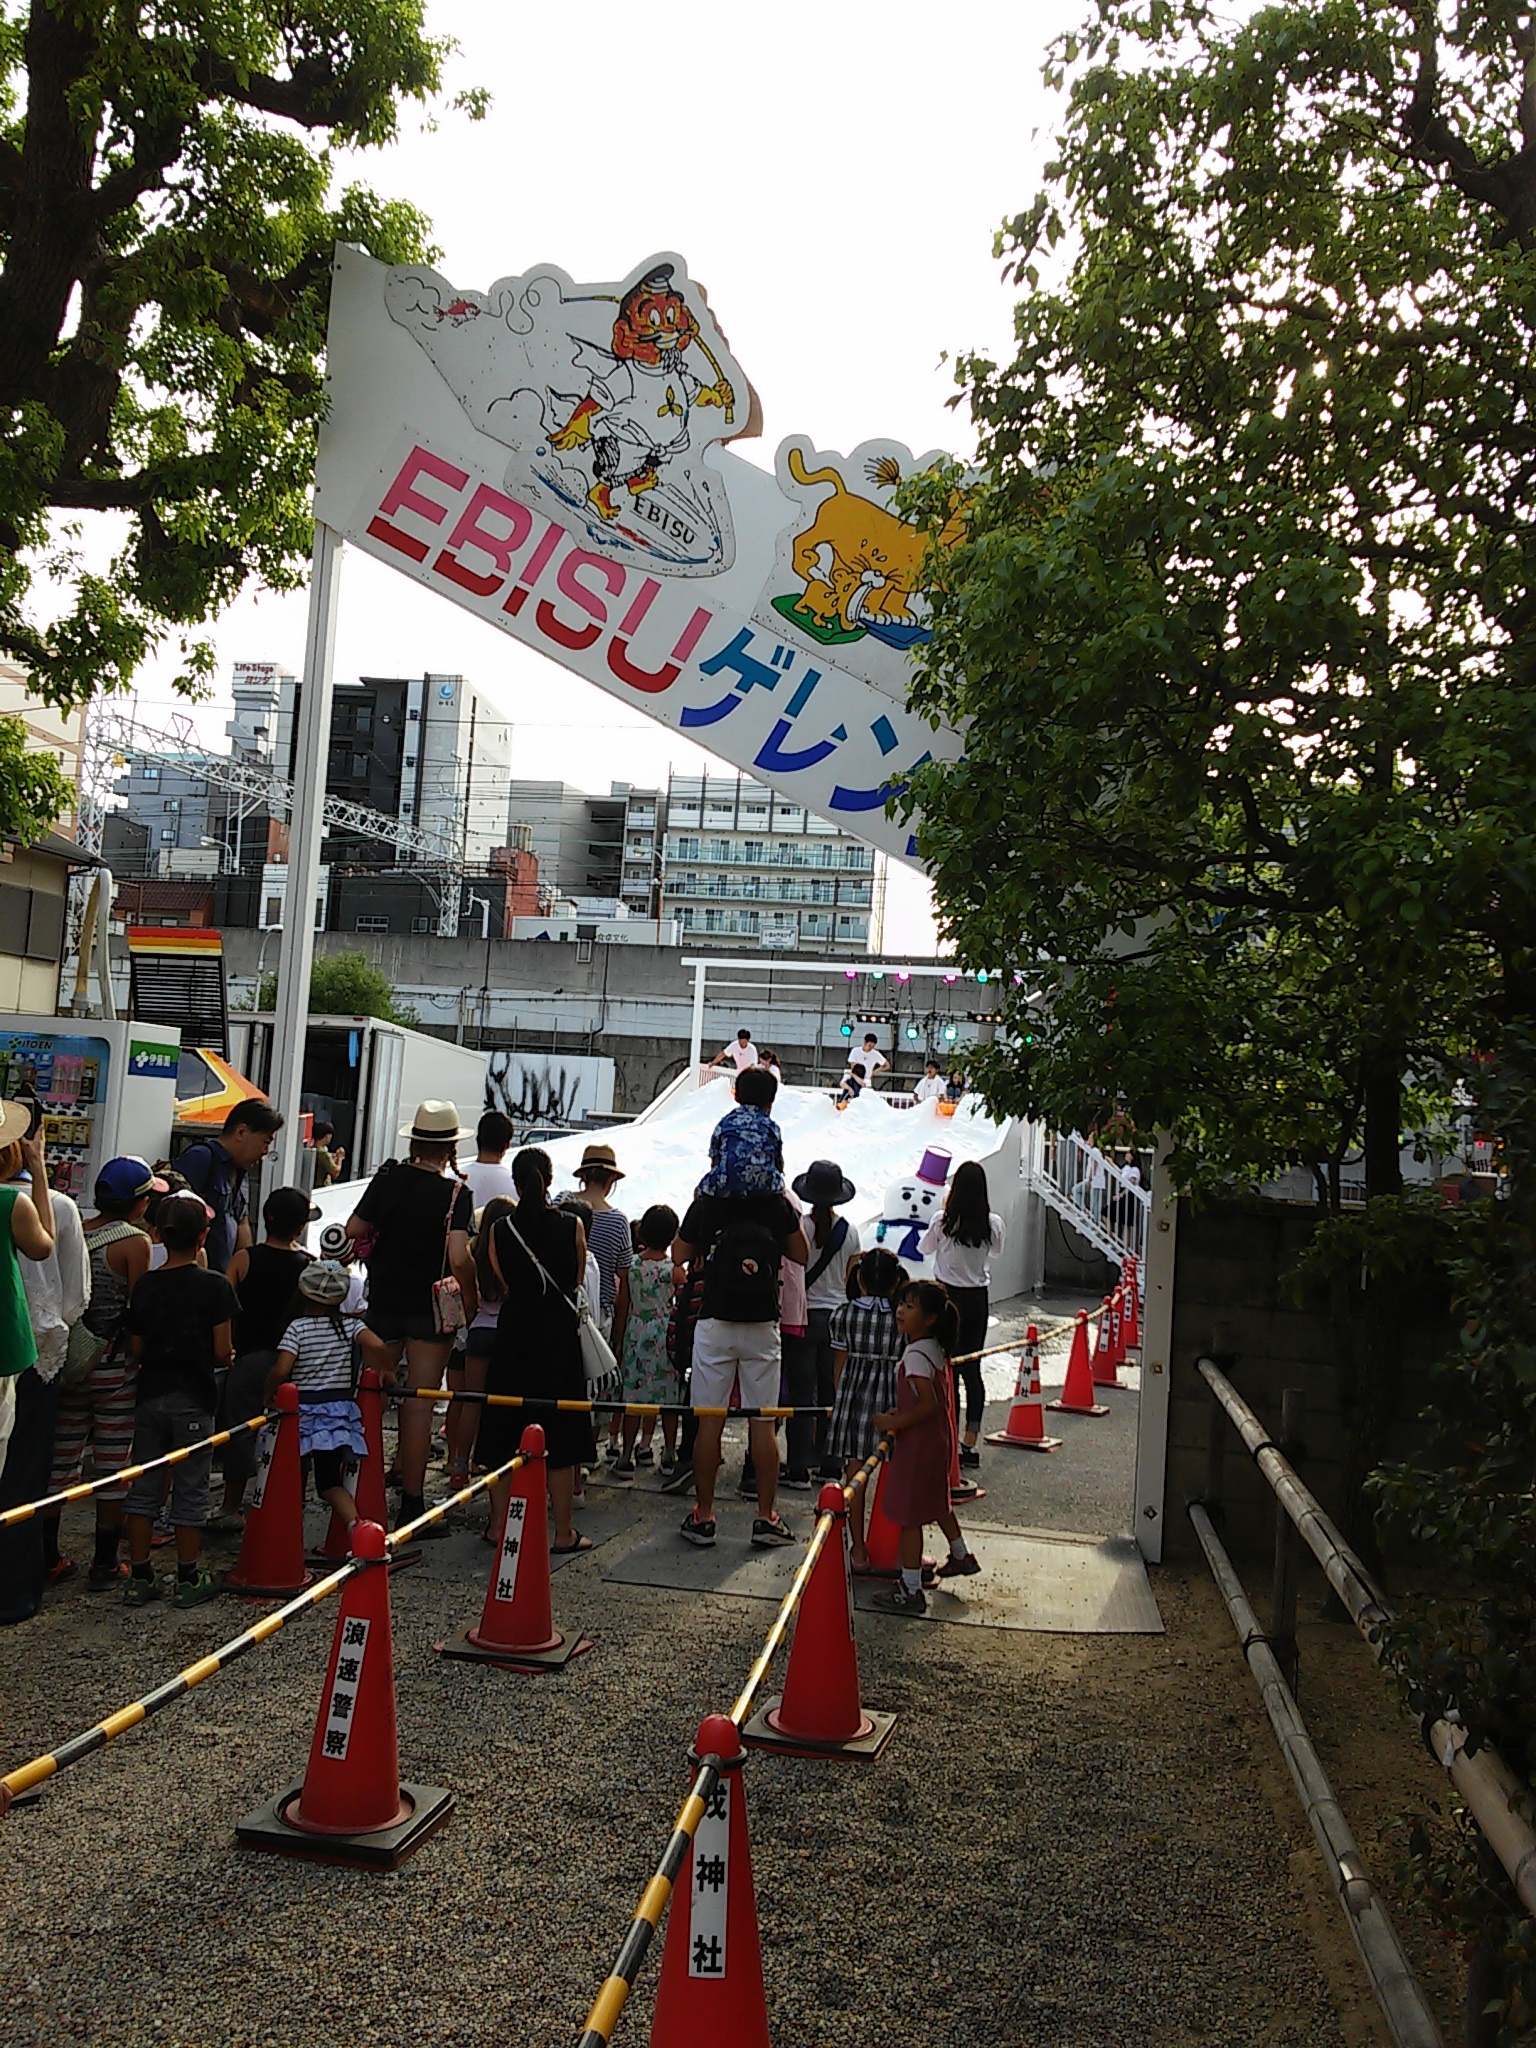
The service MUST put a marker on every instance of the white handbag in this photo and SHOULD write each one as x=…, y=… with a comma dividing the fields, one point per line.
x=597, y=1360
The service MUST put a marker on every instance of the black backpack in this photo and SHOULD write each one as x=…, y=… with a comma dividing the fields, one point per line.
x=742, y=1283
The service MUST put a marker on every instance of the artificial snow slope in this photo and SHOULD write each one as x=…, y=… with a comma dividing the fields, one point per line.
x=666, y=1149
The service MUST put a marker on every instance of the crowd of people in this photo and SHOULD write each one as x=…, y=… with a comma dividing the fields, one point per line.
x=161, y=1317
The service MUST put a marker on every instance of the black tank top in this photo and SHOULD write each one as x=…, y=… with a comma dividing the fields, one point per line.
x=266, y=1297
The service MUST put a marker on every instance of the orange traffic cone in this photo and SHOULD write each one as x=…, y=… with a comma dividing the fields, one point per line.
x=271, y=1561
x=819, y=1712
x=710, y=1994
x=350, y=1806
x=367, y=1487
x=1107, y=1354
x=1131, y=1281
x=1026, y=1418
x=516, y=1629
x=1077, y=1394
x=882, y=1536
x=959, y=1488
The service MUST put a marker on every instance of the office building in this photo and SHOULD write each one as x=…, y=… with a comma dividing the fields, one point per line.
x=743, y=867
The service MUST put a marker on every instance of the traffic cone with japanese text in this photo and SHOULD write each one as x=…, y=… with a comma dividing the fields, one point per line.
x=271, y=1561
x=1025, y=1428
x=960, y=1489
x=516, y=1629
x=710, y=1993
x=368, y=1474
x=1107, y=1353
x=350, y=1806
x=819, y=1712
x=1077, y=1394
x=1130, y=1280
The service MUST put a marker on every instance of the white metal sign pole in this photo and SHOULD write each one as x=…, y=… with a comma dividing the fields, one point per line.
x=305, y=833
x=696, y=1035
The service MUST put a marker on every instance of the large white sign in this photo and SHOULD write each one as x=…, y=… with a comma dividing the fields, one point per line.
x=550, y=456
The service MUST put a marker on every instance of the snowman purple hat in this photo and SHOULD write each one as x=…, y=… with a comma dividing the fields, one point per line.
x=935, y=1166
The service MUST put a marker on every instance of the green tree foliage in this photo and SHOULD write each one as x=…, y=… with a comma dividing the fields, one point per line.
x=33, y=787
x=166, y=225
x=344, y=985
x=1240, y=622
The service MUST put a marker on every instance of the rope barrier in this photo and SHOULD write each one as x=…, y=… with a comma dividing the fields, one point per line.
x=617, y=1986
x=90, y=1486
x=41, y=1768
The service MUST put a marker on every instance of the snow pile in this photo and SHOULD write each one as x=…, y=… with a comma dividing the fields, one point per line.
x=666, y=1150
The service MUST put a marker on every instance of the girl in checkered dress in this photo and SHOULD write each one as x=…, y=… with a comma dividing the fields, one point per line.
x=865, y=1347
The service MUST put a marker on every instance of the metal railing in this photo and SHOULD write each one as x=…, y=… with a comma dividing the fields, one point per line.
x=1089, y=1190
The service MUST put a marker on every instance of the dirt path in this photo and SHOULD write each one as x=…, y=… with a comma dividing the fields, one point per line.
x=1073, y=1841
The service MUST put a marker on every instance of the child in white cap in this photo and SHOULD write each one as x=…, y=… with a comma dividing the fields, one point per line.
x=315, y=1352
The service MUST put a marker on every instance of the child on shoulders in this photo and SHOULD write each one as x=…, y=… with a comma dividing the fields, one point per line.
x=746, y=1147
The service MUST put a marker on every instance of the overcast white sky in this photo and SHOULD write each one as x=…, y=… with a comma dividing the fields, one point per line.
x=833, y=175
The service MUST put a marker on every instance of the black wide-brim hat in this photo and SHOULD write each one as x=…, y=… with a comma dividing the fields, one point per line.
x=824, y=1185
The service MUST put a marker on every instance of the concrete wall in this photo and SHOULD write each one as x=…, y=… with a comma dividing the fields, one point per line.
x=632, y=1003
x=1233, y=1301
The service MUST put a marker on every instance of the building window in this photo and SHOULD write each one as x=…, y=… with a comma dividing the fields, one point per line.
x=167, y=836
x=371, y=924
x=150, y=775
x=421, y=924
x=272, y=916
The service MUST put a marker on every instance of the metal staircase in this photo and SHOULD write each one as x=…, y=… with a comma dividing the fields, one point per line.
x=1090, y=1192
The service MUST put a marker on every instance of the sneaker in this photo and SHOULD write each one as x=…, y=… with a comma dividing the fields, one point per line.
x=139, y=1592
x=644, y=1455
x=797, y=1482
x=104, y=1580
x=959, y=1567
x=625, y=1468
x=770, y=1532
x=193, y=1592
x=669, y=1461
x=970, y=1458
x=578, y=1498
x=679, y=1479
x=57, y=1574
x=746, y=1485
x=700, y=1533
x=611, y=1451
x=899, y=1601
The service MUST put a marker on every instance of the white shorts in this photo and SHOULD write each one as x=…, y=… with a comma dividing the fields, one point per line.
x=746, y=1353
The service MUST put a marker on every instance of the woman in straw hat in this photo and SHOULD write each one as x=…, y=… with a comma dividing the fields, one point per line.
x=417, y=1214
x=27, y=1399
x=608, y=1244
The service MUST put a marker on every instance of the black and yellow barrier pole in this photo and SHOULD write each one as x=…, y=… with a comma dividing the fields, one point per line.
x=89, y=1486
x=611, y=2000
x=29, y=1775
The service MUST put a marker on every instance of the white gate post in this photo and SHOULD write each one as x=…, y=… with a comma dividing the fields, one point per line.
x=306, y=830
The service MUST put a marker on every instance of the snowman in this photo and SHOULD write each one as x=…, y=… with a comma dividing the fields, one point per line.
x=910, y=1206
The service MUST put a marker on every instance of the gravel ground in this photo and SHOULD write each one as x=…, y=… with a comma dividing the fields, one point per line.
x=1087, y=1842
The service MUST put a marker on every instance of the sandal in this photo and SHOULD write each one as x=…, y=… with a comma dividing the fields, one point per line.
x=57, y=1574
x=570, y=1549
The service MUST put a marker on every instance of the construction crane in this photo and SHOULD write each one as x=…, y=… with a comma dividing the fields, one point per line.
x=112, y=736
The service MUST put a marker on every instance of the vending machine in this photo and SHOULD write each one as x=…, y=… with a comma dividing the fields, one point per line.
x=106, y=1086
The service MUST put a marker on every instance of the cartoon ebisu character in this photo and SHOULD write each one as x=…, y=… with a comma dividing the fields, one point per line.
x=636, y=416
x=605, y=396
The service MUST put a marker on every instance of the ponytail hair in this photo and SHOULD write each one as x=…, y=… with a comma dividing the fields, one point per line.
x=933, y=1298
x=877, y=1275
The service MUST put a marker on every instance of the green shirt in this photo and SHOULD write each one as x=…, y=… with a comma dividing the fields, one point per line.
x=18, y=1346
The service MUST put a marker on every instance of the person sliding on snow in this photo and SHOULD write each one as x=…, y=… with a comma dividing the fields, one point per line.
x=635, y=415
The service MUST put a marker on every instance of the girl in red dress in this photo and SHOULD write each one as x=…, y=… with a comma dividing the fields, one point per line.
x=923, y=1425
